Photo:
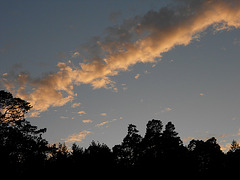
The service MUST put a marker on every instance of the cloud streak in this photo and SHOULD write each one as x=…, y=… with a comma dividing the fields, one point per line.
x=77, y=137
x=141, y=39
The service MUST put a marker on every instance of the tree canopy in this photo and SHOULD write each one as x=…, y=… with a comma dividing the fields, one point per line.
x=23, y=151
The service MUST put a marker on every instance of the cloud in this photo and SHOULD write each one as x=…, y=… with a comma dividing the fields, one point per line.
x=187, y=139
x=167, y=109
x=81, y=113
x=105, y=122
x=55, y=89
x=124, y=87
x=87, y=121
x=137, y=76
x=103, y=114
x=75, y=105
x=236, y=41
x=75, y=54
x=77, y=137
x=64, y=117
x=238, y=133
x=141, y=39
x=234, y=118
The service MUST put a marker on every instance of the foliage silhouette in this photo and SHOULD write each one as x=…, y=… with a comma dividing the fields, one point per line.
x=22, y=147
x=23, y=151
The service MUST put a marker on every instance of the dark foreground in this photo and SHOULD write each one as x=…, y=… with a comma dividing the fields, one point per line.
x=159, y=154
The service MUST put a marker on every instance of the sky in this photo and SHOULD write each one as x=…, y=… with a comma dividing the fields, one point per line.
x=90, y=68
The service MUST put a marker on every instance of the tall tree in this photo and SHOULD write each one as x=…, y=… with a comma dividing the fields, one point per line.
x=152, y=144
x=127, y=154
x=233, y=159
x=154, y=130
x=170, y=139
x=21, y=144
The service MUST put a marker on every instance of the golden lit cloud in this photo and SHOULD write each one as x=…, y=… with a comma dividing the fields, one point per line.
x=87, y=121
x=137, y=76
x=103, y=114
x=82, y=112
x=103, y=123
x=76, y=137
x=75, y=105
x=140, y=40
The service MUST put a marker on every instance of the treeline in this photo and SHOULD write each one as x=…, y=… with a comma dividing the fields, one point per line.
x=24, y=153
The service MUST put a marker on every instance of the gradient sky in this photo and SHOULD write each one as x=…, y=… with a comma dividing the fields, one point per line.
x=92, y=67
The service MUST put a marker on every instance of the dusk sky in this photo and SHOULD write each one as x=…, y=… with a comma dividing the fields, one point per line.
x=90, y=68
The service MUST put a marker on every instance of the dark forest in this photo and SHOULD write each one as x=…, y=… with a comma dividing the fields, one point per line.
x=24, y=153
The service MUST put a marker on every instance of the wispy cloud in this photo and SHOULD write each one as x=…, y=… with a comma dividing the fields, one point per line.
x=102, y=123
x=87, y=121
x=81, y=113
x=64, y=117
x=103, y=114
x=105, y=122
x=236, y=41
x=202, y=94
x=75, y=105
x=141, y=39
x=76, y=137
x=137, y=76
x=75, y=54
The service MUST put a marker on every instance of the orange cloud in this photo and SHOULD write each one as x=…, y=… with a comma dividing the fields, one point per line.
x=137, y=76
x=87, y=121
x=82, y=112
x=77, y=137
x=103, y=114
x=138, y=40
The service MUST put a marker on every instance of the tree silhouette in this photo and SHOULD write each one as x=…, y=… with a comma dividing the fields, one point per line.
x=151, y=146
x=23, y=151
x=207, y=156
x=170, y=141
x=153, y=131
x=233, y=159
x=126, y=154
x=21, y=144
x=234, y=147
x=12, y=109
x=98, y=156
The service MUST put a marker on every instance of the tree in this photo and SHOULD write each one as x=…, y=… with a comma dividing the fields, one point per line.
x=77, y=151
x=21, y=144
x=234, y=147
x=127, y=154
x=151, y=146
x=12, y=109
x=207, y=157
x=233, y=159
x=99, y=156
x=169, y=131
x=173, y=153
x=170, y=140
x=153, y=131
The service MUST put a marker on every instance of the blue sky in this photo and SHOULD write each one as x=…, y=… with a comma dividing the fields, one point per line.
x=79, y=64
